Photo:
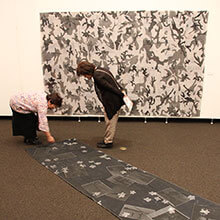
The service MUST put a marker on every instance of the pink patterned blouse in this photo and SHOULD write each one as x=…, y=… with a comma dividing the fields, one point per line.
x=32, y=102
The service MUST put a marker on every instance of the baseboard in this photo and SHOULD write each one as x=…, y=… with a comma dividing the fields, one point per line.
x=123, y=118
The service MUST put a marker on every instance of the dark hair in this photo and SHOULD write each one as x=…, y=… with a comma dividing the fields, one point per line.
x=55, y=99
x=85, y=68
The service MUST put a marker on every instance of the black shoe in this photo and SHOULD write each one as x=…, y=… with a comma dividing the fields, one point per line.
x=103, y=145
x=26, y=139
x=32, y=141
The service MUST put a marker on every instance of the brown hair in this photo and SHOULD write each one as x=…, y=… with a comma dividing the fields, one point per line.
x=55, y=99
x=85, y=68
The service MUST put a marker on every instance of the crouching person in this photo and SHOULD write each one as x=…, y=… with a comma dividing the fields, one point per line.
x=29, y=114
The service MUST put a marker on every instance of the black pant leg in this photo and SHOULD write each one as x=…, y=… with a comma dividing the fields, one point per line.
x=24, y=124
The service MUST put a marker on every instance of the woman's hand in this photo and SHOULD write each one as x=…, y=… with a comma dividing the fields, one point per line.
x=123, y=91
x=50, y=138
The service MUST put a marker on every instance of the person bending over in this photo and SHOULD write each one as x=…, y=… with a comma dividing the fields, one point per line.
x=29, y=114
x=109, y=93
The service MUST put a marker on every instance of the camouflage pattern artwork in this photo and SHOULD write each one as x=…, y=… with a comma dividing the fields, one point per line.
x=157, y=56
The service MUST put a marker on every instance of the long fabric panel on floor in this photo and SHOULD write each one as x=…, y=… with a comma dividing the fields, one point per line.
x=124, y=190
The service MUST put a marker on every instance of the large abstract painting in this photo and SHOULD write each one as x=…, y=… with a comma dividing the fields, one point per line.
x=157, y=56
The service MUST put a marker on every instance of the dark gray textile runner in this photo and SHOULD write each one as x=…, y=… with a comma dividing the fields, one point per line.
x=124, y=190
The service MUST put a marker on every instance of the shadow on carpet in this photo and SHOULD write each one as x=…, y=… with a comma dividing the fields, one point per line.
x=124, y=190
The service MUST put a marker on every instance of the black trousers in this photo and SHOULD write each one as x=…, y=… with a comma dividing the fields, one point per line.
x=24, y=124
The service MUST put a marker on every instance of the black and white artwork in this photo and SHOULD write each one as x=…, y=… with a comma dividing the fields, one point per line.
x=121, y=188
x=157, y=56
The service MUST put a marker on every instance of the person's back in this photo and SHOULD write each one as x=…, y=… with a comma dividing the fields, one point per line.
x=27, y=102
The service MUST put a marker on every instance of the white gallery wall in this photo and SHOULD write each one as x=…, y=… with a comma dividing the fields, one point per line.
x=20, y=55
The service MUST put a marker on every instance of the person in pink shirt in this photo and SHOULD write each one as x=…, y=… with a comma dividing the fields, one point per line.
x=29, y=114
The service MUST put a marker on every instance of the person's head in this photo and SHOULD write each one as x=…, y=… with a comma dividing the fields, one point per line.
x=54, y=100
x=86, y=69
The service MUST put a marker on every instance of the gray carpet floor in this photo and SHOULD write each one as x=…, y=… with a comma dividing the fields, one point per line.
x=184, y=153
